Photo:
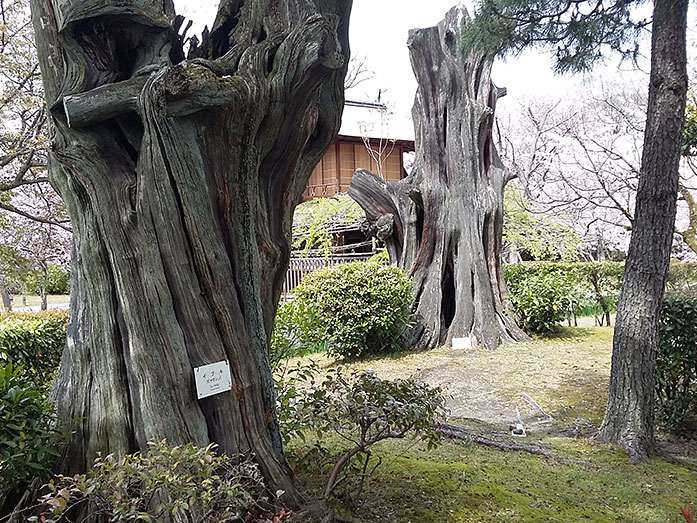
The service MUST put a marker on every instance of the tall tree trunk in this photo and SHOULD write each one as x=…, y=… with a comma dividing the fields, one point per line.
x=181, y=177
x=689, y=235
x=629, y=418
x=443, y=223
x=42, y=287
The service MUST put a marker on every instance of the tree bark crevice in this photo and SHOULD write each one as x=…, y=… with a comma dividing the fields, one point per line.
x=181, y=180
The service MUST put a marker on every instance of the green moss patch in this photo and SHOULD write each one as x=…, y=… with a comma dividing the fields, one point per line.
x=461, y=482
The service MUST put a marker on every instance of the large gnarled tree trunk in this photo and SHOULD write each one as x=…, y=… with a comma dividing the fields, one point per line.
x=443, y=223
x=629, y=418
x=181, y=177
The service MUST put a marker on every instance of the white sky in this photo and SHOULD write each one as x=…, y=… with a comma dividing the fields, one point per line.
x=379, y=30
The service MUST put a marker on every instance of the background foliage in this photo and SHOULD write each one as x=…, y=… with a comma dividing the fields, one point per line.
x=536, y=237
x=34, y=341
x=57, y=280
x=544, y=293
x=316, y=222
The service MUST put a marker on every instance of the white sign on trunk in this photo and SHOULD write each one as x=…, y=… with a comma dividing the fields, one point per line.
x=212, y=379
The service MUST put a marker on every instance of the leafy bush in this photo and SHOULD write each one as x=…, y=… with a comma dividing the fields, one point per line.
x=541, y=297
x=57, y=281
x=291, y=384
x=293, y=332
x=25, y=433
x=676, y=366
x=543, y=293
x=195, y=483
x=360, y=308
x=34, y=341
x=363, y=410
x=539, y=291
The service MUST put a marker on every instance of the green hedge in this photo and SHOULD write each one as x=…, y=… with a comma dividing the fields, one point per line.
x=359, y=308
x=57, y=281
x=544, y=293
x=541, y=299
x=33, y=341
x=676, y=366
x=25, y=434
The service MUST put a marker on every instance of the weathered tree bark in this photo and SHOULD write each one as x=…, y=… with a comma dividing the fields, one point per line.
x=181, y=177
x=629, y=418
x=443, y=223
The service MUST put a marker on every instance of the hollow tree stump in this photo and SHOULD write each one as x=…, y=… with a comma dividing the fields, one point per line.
x=443, y=222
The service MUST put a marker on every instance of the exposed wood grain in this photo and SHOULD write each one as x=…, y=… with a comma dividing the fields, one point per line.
x=443, y=223
x=181, y=180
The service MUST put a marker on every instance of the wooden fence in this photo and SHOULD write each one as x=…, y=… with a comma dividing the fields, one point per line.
x=299, y=267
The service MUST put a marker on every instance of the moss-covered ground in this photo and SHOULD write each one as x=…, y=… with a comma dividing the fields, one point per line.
x=464, y=482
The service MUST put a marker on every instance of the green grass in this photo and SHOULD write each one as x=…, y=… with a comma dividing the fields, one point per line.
x=33, y=301
x=462, y=482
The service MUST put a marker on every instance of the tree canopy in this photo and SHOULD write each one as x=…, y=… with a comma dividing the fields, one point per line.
x=581, y=32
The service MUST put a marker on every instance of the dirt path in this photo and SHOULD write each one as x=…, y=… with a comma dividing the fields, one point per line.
x=567, y=375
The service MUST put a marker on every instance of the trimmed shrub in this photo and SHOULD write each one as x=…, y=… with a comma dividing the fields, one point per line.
x=360, y=308
x=33, y=341
x=25, y=433
x=544, y=293
x=541, y=294
x=676, y=366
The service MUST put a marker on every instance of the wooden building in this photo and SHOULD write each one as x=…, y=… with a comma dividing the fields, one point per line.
x=348, y=153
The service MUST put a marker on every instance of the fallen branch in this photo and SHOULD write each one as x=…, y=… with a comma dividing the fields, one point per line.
x=534, y=404
x=456, y=432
